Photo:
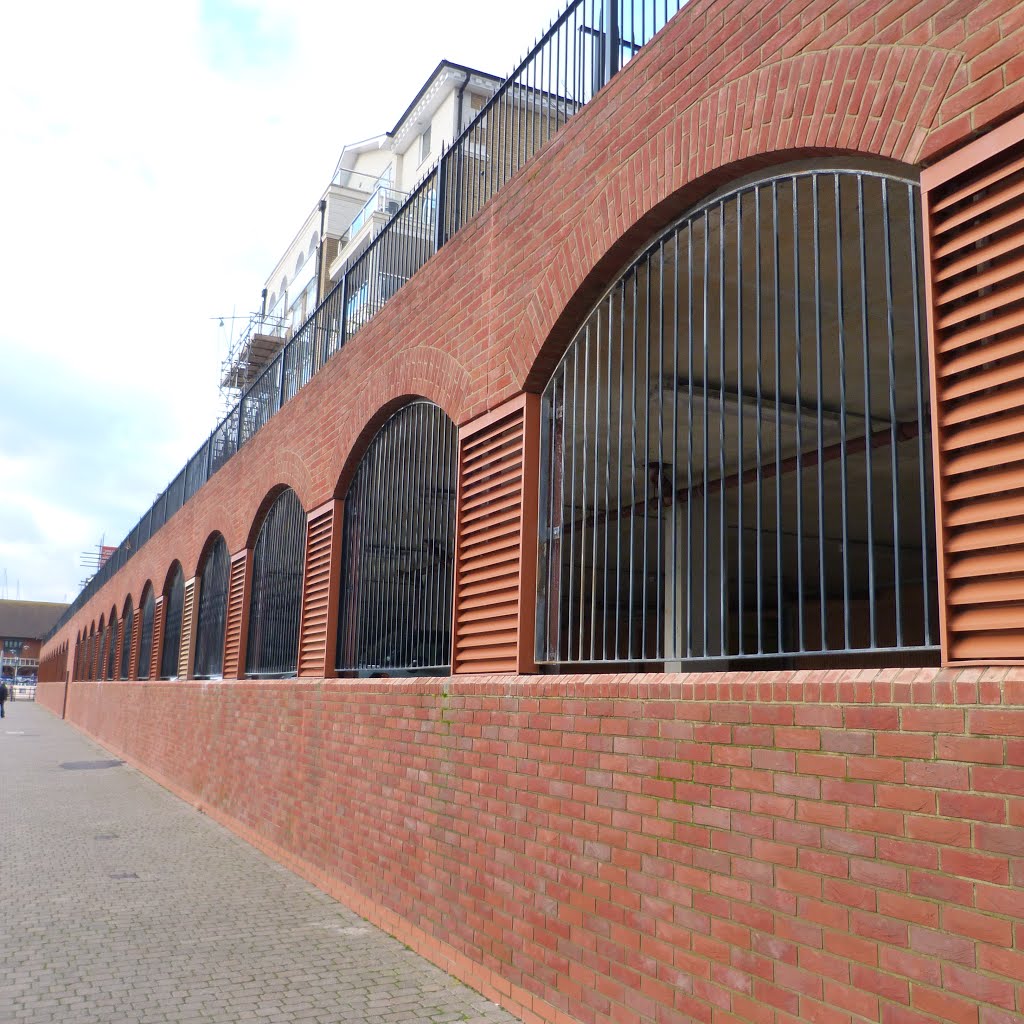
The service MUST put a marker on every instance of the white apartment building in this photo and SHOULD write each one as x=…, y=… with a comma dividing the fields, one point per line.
x=371, y=181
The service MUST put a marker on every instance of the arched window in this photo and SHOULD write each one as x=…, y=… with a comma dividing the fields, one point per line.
x=90, y=667
x=735, y=452
x=127, y=625
x=397, y=548
x=276, y=601
x=174, y=601
x=77, y=662
x=213, y=601
x=148, y=610
x=111, y=667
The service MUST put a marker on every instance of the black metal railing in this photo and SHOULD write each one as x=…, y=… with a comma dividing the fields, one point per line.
x=213, y=600
x=175, y=606
x=582, y=50
x=398, y=548
x=278, y=560
x=735, y=454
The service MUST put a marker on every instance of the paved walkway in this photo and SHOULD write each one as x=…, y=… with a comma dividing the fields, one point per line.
x=120, y=904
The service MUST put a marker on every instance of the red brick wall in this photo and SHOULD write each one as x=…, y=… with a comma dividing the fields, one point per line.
x=728, y=86
x=749, y=847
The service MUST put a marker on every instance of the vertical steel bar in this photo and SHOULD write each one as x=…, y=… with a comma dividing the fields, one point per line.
x=893, y=426
x=798, y=347
x=819, y=387
x=632, y=467
x=868, y=416
x=572, y=506
x=585, y=493
x=759, y=455
x=689, y=440
x=596, y=442
x=607, y=519
x=843, y=488
x=740, y=409
x=673, y=508
x=620, y=347
x=705, y=384
x=777, y=304
x=723, y=543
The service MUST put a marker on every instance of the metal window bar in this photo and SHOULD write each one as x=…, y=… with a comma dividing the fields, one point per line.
x=732, y=460
x=276, y=601
x=213, y=598
x=398, y=549
x=175, y=598
x=127, y=625
x=146, y=635
x=578, y=53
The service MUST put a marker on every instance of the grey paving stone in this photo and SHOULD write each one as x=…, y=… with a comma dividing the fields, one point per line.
x=123, y=904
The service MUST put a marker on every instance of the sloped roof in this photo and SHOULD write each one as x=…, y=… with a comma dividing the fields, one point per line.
x=28, y=620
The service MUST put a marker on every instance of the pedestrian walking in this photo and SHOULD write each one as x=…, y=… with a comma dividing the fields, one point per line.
x=4, y=694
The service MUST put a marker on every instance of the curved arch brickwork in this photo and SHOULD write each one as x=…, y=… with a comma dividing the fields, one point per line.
x=720, y=88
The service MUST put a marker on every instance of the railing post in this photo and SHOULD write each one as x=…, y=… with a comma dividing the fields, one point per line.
x=238, y=425
x=440, y=188
x=612, y=41
x=344, y=310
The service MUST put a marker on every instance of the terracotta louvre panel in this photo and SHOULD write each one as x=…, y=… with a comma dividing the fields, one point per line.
x=235, y=626
x=496, y=541
x=974, y=244
x=157, y=647
x=320, y=594
x=187, y=627
x=133, y=656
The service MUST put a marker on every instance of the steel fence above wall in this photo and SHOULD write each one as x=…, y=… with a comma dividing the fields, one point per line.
x=581, y=51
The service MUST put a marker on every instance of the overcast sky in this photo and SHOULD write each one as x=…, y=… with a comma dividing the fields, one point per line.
x=157, y=159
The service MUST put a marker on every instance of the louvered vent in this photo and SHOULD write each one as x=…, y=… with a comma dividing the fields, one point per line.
x=233, y=628
x=495, y=571
x=187, y=624
x=159, y=621
x=133, y=662
x=975, y=211
x=320, y=591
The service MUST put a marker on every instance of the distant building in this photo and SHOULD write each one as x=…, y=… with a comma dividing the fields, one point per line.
x=371, y=181
x=23, y=624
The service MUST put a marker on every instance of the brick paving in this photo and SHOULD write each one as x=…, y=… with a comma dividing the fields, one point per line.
x=123, y=905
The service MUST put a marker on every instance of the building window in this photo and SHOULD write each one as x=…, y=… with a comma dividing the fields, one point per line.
x=735, y=452
x=174, y=596
x=397, y=548
x=146, y=634
x=425, y=144
x=111, y=668
x=127, y=626
x=276, y=602
x=213, y=599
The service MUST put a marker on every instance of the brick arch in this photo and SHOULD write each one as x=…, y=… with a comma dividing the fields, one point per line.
x=427, y=373
x=264, y=507
x=868, y=101
x=205, y=550
x=169, y=575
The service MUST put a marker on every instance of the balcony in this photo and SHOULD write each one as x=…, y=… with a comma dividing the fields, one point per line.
x=384, y=199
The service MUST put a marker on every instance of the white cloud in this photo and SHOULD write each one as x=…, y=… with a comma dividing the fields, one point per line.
x=157, y=160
